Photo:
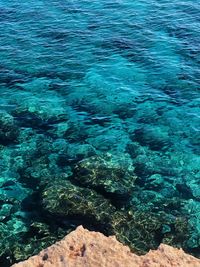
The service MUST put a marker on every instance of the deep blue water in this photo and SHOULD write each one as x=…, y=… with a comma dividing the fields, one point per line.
x=95, y=89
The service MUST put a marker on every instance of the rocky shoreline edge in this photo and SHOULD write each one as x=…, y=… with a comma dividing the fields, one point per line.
x=83, y=248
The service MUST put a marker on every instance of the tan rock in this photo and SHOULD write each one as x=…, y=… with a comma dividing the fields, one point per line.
x=82, y=248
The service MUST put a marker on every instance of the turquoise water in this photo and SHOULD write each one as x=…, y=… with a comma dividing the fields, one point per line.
x=99, y=123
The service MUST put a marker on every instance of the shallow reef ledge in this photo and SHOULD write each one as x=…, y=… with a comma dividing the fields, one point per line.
x=92, y=249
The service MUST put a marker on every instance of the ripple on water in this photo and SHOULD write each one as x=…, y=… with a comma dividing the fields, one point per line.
x=99, y=118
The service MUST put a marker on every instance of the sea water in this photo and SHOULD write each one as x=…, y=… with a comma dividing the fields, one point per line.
x=99, y=123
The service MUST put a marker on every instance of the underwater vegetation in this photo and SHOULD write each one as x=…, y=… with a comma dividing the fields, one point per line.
x=99, y=123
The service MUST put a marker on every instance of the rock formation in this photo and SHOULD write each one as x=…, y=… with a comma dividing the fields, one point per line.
x=82, y=248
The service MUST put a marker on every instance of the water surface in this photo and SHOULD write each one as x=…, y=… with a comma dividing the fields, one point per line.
x=96, y=96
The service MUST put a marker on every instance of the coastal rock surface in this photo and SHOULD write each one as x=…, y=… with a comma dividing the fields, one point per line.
x=92, y=249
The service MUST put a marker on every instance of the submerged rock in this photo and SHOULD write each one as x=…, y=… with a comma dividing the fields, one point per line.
x=75, y=152
x=144, y=230
x=39, y=112
x=141, y=230
x=109, y=173
x=67, y=200
x=155, y=137
x=15, y=247
x=137, y=229
x=8, y=129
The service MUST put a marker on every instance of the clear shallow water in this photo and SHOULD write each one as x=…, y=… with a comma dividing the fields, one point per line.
x=82, y=79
